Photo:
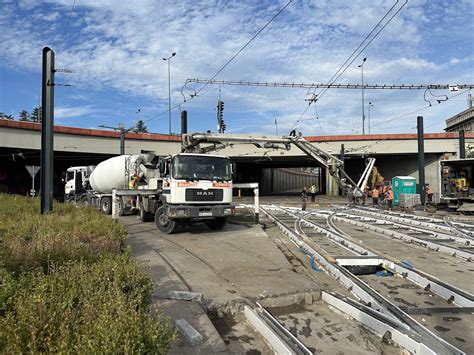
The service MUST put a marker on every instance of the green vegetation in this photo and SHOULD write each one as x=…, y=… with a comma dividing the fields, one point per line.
x=29, y=240
x=66, y=285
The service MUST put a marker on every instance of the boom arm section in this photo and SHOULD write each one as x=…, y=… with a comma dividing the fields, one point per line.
x=206, y=142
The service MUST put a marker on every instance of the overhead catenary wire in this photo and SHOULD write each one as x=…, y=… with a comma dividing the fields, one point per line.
x=368, y=146
x=229, y=60
x=348, y=63
x=63, y=38
x=417, y=110
x=354, y=55
x=329, y=85
x=245, y=45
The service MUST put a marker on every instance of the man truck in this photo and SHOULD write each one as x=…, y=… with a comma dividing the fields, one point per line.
x=181, y=189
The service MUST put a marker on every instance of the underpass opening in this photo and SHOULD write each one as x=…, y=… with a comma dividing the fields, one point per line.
x=280, y=176
x=15, y=179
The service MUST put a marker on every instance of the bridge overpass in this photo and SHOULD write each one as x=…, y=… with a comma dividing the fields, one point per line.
x=396, y=154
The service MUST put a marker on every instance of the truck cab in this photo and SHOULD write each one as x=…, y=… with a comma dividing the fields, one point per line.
x=195, y=187
x=76, y=182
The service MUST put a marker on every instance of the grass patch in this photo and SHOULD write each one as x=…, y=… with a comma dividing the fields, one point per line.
x=65, y=285
x=29, y=240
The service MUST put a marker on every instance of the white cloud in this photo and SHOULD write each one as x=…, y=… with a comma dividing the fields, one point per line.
x=62, y=112
x=117, y=46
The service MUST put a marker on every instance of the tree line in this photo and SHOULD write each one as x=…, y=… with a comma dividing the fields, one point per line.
x=34, y=116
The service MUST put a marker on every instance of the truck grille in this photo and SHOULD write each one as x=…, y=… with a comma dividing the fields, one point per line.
x=204, y=195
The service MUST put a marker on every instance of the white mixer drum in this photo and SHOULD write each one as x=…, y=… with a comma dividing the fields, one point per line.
x=113, y=174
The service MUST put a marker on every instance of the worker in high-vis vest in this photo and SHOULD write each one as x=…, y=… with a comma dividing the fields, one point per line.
x=429, y=192
x=313, y=190
x=133, y=184
x=375, y=196
x=390, y=198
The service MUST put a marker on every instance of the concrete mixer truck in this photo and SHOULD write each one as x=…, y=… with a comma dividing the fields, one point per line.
x=180, y=189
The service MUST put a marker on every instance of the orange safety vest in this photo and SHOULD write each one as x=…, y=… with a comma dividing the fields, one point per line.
x=375, y=193
x=390, y=195
x=430, y=191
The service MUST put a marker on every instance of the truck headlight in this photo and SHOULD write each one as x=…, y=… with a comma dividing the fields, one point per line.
x=228, y=211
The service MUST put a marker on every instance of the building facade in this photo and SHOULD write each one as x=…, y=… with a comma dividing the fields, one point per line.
x=462, y=121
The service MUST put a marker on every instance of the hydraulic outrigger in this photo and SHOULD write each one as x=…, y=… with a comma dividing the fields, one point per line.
x=207, y=142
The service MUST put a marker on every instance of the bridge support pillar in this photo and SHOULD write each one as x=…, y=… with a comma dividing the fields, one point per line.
x=332, y=188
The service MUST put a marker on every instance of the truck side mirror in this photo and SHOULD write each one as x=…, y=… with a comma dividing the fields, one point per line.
x=63, y=177
x=162, y=167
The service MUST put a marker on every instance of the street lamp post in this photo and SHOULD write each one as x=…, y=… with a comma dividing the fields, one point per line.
x=363, y=108
x=370, y=105
x=169, y=89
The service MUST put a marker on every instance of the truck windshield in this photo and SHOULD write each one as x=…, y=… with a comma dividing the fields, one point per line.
x=193, y=167
x=69, y=175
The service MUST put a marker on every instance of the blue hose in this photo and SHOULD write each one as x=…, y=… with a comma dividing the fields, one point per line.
x=311, y=258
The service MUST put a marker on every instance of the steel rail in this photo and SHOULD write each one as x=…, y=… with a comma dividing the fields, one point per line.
x=426, y=281
x=460, y=228
x=284, y=333
x=365, y=293
x=398, y=235
x=426, y=228
x=446, y=291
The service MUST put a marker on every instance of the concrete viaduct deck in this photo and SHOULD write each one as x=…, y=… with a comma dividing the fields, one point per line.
x=396, y=153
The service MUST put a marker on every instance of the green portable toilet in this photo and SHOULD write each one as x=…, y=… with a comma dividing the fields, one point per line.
x=402, y=185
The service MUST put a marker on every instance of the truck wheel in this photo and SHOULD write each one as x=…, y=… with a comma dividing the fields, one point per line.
x=85, y=201
x=164, y=224
x=106, y=205
x=144, y=215
x=121, y=207
x=217, y=223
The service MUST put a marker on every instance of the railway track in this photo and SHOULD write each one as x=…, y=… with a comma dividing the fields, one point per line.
x=444, y=242
x=372, y=278
x=446, y=224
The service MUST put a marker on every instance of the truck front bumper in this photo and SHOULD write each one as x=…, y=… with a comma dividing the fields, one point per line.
x=200, y=212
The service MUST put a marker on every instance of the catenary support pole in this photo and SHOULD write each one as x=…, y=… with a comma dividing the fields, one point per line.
x=184, y=122
x=421, y=160
x=184, y=127
x=47, y=131
x=462, y=145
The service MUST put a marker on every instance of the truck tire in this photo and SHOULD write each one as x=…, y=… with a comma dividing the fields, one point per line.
x=162, y=221
x=217, y=223
x=106, y=205
x=121, y=206
x=85, y=201
x=144, y=215
x=164, y=224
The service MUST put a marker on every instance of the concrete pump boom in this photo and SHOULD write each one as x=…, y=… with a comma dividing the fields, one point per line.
x=206, y=142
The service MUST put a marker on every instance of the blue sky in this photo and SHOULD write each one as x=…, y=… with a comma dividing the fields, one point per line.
x=116, y=49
